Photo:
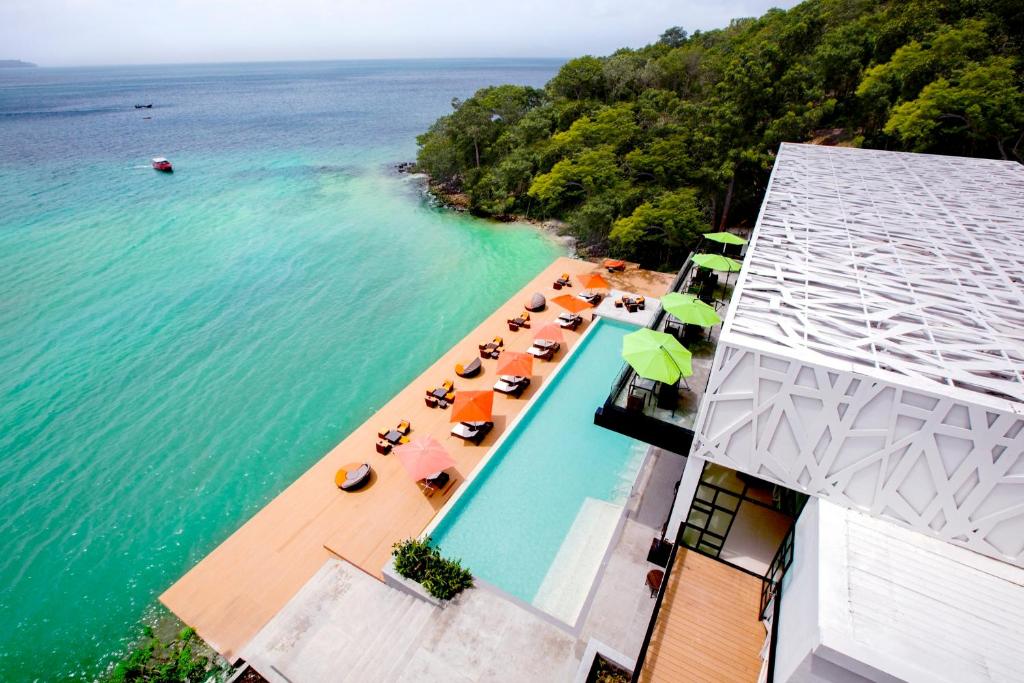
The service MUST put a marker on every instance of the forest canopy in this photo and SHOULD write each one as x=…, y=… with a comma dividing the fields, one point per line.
x=641, y=151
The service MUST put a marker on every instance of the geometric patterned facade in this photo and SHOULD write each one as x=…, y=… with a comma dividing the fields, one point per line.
x=873, y=353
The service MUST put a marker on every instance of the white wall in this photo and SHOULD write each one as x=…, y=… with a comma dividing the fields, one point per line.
x=800, y=656
x=798, y=619
x=941, y=466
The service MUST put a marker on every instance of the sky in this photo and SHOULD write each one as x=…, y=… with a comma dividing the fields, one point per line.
x=97, y=32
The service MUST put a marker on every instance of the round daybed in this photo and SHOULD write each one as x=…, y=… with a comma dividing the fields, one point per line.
x=537, y=303
x=470, y=369
x=353, y=476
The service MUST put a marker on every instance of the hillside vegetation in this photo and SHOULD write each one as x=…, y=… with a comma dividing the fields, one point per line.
x=641, y=151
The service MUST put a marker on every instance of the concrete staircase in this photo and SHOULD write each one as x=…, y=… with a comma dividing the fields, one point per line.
x=369, y=629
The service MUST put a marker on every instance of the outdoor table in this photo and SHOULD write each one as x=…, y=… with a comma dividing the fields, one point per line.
x=440, y=392
x=642, y=384
x=394, y=436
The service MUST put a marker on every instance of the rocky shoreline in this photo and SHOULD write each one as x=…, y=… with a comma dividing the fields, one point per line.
x=451, y=197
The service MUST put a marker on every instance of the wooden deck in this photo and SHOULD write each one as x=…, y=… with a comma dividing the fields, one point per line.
x=708, y=628
x=246, y=580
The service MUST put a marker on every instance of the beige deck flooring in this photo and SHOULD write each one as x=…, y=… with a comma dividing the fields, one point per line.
x=246, y=580
x=708, y=628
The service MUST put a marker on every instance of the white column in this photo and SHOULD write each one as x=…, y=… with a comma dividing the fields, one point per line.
x=684, y=496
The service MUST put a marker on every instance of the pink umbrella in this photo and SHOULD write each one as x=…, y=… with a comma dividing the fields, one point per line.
x=423, y=457
x=551, y=332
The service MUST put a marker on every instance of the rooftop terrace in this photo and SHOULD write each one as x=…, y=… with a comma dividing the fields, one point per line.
x=910, y=265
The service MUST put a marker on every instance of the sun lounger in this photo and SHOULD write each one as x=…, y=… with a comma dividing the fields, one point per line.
x=541, y=353
x=513, y=386
x=547, y=344
x=569, y=322
x=439, y=482
x=470, y=369
x=472, y=431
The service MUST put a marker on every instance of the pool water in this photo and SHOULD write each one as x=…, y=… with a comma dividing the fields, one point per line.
x=538, y=519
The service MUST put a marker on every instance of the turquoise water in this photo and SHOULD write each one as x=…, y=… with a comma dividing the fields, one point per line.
x=511, y=522
x=176, y=349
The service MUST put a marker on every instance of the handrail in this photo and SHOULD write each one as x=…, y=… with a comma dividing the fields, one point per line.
x=657, y=607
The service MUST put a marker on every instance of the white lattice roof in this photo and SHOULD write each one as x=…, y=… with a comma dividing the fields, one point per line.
x=906, y=266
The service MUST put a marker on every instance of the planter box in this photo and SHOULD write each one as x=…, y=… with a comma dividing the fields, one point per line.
x=588, y=664
x=395, y=580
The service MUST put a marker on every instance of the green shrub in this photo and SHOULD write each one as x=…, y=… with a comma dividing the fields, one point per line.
x=418, y=560
x=177, y=661
x=412, y=557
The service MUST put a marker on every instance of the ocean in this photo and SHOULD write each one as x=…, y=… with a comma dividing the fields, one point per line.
x=176, y=349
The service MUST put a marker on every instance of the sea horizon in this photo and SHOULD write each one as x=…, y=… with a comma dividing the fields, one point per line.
x=357, y=60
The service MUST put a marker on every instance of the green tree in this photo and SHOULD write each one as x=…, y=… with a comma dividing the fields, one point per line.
x=578, y=178
x=983, y=103
x=610, y=140
x=580, y=79
x=673, y=37
x=661, y=231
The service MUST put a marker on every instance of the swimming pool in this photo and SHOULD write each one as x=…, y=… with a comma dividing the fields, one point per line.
x=538, y=518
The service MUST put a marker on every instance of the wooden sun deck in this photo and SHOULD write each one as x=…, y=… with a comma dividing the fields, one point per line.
x=708, y=628
x=246, y=580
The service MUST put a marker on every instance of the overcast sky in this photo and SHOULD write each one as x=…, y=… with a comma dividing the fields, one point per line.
x=79, y=32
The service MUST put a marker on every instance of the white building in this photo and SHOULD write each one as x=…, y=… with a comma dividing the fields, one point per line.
x=872, y=359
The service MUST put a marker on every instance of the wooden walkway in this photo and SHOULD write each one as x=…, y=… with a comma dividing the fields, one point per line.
x=246, y=580
x=708, y=628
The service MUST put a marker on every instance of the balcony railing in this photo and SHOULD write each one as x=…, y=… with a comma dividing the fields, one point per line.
x=670, y=429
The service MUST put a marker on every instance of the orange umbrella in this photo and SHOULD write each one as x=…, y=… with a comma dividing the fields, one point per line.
x=571, y=303
x=613, y=263
x=423, y=457
x=550, y=332
x=515, y=363
x=593, y=281
x=472, y=406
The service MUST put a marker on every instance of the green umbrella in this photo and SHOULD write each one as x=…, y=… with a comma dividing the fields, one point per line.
x=690, y=310
x=657, y=356
x=717, y=262
x=724, y=238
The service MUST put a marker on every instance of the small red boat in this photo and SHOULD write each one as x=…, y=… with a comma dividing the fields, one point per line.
x=161, y=164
